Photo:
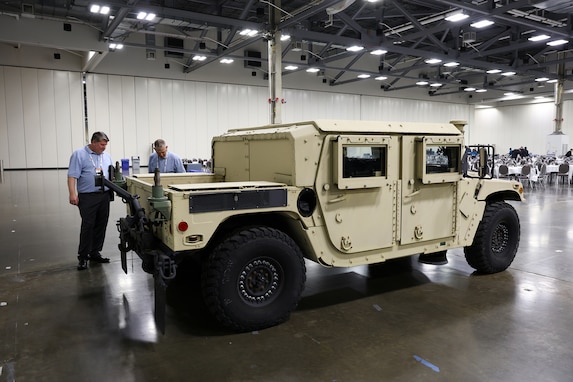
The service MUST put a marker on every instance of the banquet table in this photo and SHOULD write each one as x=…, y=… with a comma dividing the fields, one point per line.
x=515, y=171
x=511, y=170
x=553, y=169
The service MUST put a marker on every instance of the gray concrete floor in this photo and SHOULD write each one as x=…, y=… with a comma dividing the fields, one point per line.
x=400, y=321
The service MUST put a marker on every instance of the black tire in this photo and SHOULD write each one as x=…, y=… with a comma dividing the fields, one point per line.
x=496, y=241
x=253, y=279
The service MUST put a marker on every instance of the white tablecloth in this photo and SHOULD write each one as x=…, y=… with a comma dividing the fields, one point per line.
x=554, y=169
x=511, y=170
x=514, y=171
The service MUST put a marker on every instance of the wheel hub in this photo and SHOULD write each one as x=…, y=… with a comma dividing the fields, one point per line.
x=258, y=281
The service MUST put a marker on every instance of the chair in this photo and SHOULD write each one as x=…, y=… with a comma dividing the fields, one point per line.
x=563, y=172
x=523, y=177
x=503, y=172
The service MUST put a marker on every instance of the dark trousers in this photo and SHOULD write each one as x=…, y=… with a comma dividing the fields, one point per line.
x=94, y=211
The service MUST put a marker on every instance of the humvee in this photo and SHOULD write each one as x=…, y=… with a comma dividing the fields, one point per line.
x=339, y=193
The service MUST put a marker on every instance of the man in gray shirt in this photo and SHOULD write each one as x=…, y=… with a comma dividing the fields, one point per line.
x=92, y=200
x=164, y=160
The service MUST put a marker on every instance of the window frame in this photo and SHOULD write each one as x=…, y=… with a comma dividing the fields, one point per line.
x=454, y=174
x=359, y=182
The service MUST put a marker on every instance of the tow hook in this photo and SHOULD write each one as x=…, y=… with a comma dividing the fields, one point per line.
x=165, y=266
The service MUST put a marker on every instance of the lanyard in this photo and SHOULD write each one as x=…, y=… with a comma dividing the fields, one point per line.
x=94, y=163
x=164, y=163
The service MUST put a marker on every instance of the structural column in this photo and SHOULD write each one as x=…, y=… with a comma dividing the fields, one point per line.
x=275, y=63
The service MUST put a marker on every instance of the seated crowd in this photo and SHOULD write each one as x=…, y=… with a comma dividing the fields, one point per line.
x=531, y=169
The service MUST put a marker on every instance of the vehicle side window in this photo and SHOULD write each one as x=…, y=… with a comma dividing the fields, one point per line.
x=363, y=161
x=440, y=159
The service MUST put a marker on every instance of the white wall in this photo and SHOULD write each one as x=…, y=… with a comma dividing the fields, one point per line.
x=394, y=109
x=41, y=117
x=519, y=125
x=135, y=111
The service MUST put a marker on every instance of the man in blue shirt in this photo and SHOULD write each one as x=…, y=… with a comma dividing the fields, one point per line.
x=93, y=203
x=163, y=160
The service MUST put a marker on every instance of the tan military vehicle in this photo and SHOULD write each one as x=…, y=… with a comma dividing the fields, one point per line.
x=339, y=193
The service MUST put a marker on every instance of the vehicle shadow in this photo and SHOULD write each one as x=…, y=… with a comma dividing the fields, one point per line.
x=324, y=287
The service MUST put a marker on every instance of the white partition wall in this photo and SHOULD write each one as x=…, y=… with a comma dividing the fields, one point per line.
x=395, y=109
x=41, y=113
x=41, y=117
x=304, y=105
x=520, y=125
x=135, y=111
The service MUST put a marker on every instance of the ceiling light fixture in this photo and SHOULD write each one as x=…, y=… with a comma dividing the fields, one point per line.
x=552, y=81
x=539, y=37
x=363, y=76
x=432, y=61
x=451, y=64
x=313, y=70
x=145, y=16
x=285, y=37
x=482, y=24
x=248, y=32
x=481, y=90
x=456, y=16
x=436, y=85
x=226, y=60
x=115, y=46
x=291, y=67
x=379, y=52
x=557, y=42
x=508, y=74
x=469, y=89
x=493, y=71
x=381, y=78
x=199, y=58
x=101, y=9
x=542, y=79
x=422, y=83
x=354, y=48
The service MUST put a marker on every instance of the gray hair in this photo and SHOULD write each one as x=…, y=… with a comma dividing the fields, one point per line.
x=159, y=143
x=99, y=136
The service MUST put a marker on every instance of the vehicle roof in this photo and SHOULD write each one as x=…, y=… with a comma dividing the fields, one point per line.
x=356, y=127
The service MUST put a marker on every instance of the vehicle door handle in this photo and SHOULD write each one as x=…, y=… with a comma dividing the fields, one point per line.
x=340, y=198
x=412, y=194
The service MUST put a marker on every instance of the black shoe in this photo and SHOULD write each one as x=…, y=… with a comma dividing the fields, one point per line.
x=97, y=258
x=82, y=264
